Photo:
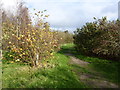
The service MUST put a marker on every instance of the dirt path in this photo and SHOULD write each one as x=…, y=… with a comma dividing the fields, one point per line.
x=92, y=79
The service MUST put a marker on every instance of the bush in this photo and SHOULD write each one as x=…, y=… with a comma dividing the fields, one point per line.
x=100, y=38
x=29, y=43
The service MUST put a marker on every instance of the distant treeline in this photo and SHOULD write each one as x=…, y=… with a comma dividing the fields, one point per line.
x=65, y=37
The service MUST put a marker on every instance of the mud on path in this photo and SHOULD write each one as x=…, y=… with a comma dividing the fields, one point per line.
x=93, y=79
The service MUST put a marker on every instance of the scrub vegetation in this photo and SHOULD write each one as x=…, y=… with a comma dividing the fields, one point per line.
x=35, y=56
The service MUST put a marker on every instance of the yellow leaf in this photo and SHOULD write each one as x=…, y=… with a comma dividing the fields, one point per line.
x=9, y=42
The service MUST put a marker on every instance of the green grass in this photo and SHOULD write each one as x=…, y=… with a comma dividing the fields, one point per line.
x=107, y=68
x=59, y=73
x=57, y=76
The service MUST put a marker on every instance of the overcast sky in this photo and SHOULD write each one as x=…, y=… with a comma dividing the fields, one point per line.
x=72, y=14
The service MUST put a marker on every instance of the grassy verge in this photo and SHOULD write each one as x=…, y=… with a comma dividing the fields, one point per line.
x=107, y=69
x=59, y=75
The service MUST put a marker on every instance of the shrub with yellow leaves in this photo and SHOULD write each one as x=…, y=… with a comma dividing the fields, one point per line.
x=30, y=44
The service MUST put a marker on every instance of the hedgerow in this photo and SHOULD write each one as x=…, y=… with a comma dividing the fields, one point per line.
x=101, y=38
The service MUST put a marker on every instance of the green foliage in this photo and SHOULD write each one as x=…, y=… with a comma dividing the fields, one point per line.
x=100, y=37
x=8, y=56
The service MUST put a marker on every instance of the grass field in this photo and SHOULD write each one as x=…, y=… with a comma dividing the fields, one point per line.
x=59, y=73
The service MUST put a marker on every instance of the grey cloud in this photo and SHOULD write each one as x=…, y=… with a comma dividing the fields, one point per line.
x=74, y=15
